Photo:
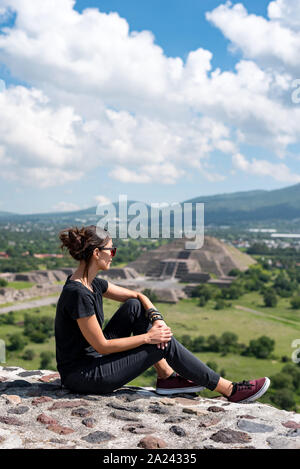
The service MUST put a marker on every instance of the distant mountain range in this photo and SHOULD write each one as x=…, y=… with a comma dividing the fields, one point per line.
x=260, y=206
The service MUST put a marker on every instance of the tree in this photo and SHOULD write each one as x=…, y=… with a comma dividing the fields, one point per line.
x=17, y=342
x=213, y=344
x=213, y=365
x=150, y=294
x=233, y=292
x=295, y=302
x=28, y=354
x=187, y=341
x=270, y=298
x=8, y=318
x=38, y=328
x=46, y=358
x=228, y=342
x=260, y=348
x=202, y=291
x=282, y=380
x=292, y=370
x=220, y=304
x=198, y=344
x=284, y=399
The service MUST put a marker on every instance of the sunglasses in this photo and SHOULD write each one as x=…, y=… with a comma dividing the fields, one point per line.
x=112, y=250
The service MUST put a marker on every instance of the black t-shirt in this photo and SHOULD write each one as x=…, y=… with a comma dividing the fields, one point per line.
x=76, y=301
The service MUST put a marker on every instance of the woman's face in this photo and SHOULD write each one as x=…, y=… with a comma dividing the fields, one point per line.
x=105, y=257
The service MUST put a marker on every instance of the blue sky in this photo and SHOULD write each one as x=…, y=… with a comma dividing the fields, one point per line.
x=110, y=159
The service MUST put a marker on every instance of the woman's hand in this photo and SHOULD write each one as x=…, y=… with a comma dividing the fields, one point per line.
x=161, y=327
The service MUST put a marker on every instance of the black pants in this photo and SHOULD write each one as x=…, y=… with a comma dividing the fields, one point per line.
x=109, y=372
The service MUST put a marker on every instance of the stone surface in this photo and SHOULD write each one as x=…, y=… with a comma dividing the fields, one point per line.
x=214, y=408
x=177, y=430
x=81, y=412
x=21, y=409
x=66, y=404
x=283, y=443
x=133, y=418
x=291, y=424
x=46, y=419
x=11, y=399
x=123, y=416
x=152, y=442
x=230, y=436
x=138, y=428
x=89, y=422
x=49, y=378
x=10, y=421
x=209, y=420
x=254, y=427
x=59, y=429
x=41, y=400
x=97, y=437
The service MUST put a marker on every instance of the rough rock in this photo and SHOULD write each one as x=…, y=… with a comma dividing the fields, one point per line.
x=132, y=418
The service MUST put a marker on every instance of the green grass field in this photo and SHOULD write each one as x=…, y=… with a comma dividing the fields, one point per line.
x=20, y=285
x=186, y=317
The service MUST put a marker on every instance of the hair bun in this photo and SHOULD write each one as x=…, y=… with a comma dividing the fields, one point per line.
x=81, y=242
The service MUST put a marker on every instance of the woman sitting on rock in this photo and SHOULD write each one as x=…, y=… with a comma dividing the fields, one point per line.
x=95, y=361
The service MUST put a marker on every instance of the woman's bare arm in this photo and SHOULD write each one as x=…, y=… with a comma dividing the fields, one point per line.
x=93, y=334
x=114, y=292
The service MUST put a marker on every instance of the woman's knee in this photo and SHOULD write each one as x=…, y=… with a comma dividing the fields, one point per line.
x=133, y=304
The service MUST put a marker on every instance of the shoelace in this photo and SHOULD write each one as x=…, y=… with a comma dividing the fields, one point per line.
x=242, y=385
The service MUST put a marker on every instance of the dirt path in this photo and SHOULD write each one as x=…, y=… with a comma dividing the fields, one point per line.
x=259, y=313
x=30, y=304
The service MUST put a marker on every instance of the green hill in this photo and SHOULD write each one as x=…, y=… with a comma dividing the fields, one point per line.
x=245, y=208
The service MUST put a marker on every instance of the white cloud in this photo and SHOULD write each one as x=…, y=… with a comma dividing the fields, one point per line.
x=102, y=199
x=65, y=207
x=102, y=95
x=272, y=41
x=166, y=173
x=279, y=172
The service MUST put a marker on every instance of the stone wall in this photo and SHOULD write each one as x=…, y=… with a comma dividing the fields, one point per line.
x=37, y=413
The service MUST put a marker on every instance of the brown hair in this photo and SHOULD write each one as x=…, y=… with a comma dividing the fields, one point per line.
x=81, y=242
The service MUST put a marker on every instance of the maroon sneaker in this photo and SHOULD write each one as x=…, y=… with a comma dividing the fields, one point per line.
x=176, y=384
x=249, y=391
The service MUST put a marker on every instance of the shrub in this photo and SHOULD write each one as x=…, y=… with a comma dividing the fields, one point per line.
x=213, y=365
x=282, y=380
x=295, y=302
x=198, y=344
x=270, y=298
x=38, y=328
x=3, y=282
x=46, y=358
x=213, y=343
x=150, y=294
x=233, y=292
x=294, y=371
x=228, y=342
x=220, y=304
x=234, y=273
x=8, y=318
x=28, y=354
x=284, y=399
x=202, y=301
x=17, y=342
x=260, y=348
x=186, y=341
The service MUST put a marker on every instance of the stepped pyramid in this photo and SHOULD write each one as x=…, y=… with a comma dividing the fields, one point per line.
x=174, y=261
